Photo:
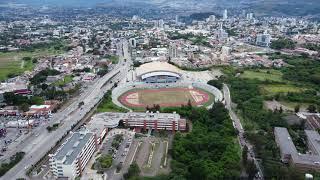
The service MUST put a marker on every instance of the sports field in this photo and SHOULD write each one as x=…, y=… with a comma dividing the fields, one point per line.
x=165, y=97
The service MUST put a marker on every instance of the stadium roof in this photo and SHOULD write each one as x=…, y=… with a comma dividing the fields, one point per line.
x=157, y=67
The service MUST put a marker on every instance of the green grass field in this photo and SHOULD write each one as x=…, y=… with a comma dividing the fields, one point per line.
x=150, y=98
x=167, y=98
x=11, y=63
x=292, y=105
x=263, y=75
x=282, y=88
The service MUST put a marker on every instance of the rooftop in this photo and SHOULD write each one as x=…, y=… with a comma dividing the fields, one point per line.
x=157, y=67
x=69, y=151
x=314, y=139
x=287, y=147
x=112, y=120
x=285, y=142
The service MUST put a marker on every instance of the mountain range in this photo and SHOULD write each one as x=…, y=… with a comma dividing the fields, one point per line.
x=269, y=7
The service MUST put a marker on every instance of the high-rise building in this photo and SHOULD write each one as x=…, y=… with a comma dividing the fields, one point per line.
x=173, y=50
x=222, y=35
x=177, y=19
x=73, y=155
x=263, y=39
x=133, y=42
x=161, y=24
x=225, y=14
x=249, y=16
x=212, y=18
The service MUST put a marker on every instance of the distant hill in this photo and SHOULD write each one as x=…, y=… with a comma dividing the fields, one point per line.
x=263, y=7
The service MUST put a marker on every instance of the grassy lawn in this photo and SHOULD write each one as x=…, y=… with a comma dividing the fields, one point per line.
x=280, y=88
x=11, y=63
x=107, y=105
x=113, y=59
x=292, y=105
x=67, y=79
x=263, y=75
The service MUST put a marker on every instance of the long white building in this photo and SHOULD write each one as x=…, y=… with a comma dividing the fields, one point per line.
x=73, y=155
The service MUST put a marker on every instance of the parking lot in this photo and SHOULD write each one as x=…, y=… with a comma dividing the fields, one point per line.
x=16, y=135
x=152, y=155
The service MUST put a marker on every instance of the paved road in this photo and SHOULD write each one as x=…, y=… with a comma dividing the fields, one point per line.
x=237, y=124
x=38, y=146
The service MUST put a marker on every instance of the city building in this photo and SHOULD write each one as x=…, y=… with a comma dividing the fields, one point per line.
x=173, y=51
x=211, y=18
x=177, y=20
x=249, y=16
x=225, y=14
x=133, y=42
x=221, y=34
x=289, y=153
x=73, y=155
x=148, y=120
x=263, y=39
x=158, y=72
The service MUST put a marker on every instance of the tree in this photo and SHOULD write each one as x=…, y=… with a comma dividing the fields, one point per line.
x=312, y=108
x=297, y=108
x=245, y=155
x=44, y=86
x=133, y=171
x=26, y=58
x=189, y=103
x=251, y=169
x=280, y=110
x=105, y=161
x=216, y=83
x=80, y=104
x=282, y=44
x=24, y=107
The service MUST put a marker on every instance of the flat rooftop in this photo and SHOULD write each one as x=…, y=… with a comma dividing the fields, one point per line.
x=112, y=120
x=314, y=139
x=72, y=147
x=287, y=147
x=285, y=143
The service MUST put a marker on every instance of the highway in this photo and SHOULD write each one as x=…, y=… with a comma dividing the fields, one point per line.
x=237, y=124
x=43, y=141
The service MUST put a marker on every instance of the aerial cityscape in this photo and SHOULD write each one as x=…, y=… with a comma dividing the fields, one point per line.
x=159, y=89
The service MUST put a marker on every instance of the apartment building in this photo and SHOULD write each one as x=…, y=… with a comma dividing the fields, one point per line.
x=289, y=153
x=73, y=155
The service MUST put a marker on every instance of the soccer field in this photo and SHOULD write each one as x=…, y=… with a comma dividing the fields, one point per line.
x=165, y=97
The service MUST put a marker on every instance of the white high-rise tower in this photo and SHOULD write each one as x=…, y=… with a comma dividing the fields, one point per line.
x=225, y=14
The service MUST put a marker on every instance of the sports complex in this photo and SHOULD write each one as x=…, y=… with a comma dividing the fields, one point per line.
x=159, y=83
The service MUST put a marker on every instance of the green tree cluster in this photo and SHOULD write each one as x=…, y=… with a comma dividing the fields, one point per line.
x=105, y=161
x=207, y=151
x=282, y=43
x=41, y=76
x=4, y=167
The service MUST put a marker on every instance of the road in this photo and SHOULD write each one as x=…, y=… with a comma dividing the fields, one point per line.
x=237, y=124
x=38, y=146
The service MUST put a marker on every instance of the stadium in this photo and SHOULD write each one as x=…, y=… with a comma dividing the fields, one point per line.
x=158, y=72
x=160, y=83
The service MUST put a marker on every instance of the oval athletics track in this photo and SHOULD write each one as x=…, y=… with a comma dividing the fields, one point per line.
x=165, y=97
